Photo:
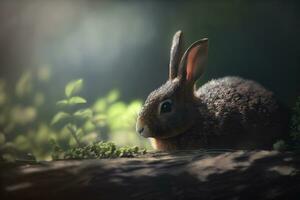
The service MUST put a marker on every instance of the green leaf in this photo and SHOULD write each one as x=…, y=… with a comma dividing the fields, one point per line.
x=2, y=138
x=59, y=117
x=76, y=100
x=112, y=96
x=62, y=103
x=73, y=87
x=72, y=127
x=79, y=132
x=84, y=113
x=24, y=85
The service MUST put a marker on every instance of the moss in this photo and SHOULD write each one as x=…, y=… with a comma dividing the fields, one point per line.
x=96, y=150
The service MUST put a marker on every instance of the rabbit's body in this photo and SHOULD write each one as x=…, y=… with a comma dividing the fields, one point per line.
x=230, y=112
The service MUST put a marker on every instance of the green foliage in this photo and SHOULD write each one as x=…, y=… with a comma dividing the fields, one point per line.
x=114, y=119
x=110, y=118
x=96, y=150
x=28, y=121
x=2, y=138
x=73, y=87
x=70, y=118
x=24, y=85
x=22, y=114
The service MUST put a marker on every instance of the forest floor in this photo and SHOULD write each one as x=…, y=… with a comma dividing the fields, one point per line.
x=198, y=174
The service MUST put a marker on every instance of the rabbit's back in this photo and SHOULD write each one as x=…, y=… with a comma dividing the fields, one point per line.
x=243, y=111
x=237, y=94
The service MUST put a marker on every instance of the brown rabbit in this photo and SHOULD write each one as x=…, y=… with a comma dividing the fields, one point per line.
x=229, y=112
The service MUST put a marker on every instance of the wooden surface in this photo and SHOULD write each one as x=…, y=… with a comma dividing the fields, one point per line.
x=178, y=175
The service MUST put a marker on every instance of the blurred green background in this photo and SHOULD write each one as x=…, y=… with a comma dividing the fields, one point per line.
x=121, y=51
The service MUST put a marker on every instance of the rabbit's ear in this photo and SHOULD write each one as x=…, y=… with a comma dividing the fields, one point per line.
x=175, y=54
x=193, y=62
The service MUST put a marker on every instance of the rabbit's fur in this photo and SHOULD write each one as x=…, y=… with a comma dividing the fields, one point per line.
x=229, y=112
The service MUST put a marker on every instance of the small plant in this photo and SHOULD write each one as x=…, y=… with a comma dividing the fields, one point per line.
x=95, y=151
x=22, y=116
x=280, y=145
x=25, y=113
x=295, y=126
x=75, y=120
x=293, y=142
x=70, y=117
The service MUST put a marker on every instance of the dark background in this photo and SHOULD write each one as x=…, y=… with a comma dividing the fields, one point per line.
x=125, y=44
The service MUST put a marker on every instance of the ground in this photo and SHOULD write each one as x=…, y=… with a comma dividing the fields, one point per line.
x=198, y=174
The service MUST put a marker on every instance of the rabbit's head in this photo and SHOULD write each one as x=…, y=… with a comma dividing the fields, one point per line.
x=171, y=109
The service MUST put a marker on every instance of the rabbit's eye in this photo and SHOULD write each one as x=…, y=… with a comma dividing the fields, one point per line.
x=166, y=106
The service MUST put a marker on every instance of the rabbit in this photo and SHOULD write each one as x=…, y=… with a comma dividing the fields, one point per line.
x=226, y=113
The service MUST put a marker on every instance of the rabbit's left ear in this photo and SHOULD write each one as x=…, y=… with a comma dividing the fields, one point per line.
x=175, y=54
x=193, y=62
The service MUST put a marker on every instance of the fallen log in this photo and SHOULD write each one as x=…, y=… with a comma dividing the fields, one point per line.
x=177, y=175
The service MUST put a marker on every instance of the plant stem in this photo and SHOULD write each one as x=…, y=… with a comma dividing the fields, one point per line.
x=73, y=133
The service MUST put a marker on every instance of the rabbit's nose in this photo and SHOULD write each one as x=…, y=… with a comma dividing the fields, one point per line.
x=143, y=129
x=139, y=126
x=140, y=130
